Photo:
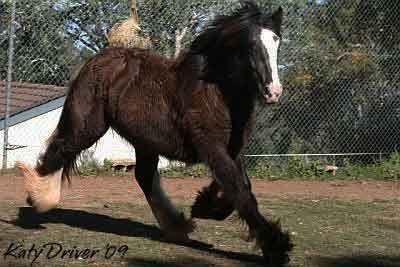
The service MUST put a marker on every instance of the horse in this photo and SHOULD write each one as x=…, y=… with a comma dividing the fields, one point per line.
x=197, y=108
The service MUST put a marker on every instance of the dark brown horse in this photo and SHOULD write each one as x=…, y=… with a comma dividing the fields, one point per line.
x=197, y=108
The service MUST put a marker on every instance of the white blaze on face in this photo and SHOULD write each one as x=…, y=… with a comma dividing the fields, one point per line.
x=271, y=42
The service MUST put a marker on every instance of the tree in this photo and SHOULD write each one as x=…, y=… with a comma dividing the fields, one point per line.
x=335, y=70
x=38, y=51
x=88, y=22
x=5, y=15
x=54, y=37
x=173, y=25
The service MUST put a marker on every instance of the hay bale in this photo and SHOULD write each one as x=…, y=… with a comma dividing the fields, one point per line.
x=127, y=33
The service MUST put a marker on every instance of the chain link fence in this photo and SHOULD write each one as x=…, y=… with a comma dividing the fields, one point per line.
x=339, y=64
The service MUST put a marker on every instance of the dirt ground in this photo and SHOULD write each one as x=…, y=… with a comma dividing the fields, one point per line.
x=125, y=188
x=333, y=224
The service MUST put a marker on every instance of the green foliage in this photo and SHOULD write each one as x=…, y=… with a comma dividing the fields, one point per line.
x=107, y=165
x=391, y=167
x=299, y=168
x=340, y=76
x=88, y=165
x=294, y=168
x=4, y=37
x=198, y=170
x=263, y=169
x=388, y=169
x=53, y=38
x=164, y=21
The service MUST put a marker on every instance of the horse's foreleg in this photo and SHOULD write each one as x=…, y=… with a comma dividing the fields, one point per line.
x=275, y=243
x=172, y=222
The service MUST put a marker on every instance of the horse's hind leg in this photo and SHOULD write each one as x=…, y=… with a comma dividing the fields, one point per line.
x=212, y=202
x=172, y=222
x=80, y=126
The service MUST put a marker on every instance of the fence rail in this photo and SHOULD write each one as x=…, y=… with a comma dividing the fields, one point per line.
x=339, y=63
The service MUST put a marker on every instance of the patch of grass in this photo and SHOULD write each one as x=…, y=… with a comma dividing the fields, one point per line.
x=198, y=170
x=388, y=169
x=326, y=233
x=88, y=165
x=294, y=168
x=299, y=168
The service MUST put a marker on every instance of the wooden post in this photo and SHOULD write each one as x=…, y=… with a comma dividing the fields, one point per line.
x=8, y=83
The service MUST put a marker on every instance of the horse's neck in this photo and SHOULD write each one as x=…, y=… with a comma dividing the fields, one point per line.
x=241, y=110
x=239, y=99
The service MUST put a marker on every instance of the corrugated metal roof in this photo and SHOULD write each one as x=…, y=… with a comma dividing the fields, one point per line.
x=25, y=96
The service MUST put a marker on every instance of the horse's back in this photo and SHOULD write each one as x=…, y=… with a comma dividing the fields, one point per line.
x=139, y=89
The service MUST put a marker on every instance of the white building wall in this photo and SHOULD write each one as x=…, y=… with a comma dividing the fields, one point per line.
x=34, y=133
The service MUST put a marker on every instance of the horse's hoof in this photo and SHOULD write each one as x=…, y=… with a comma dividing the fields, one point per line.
x=276, y=261
x=275, y=245
x=178, y=232
x=276, y=257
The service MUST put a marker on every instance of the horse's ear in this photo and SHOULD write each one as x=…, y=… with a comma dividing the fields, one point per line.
x=277, y=16
x=248, y=3
x=277, y=19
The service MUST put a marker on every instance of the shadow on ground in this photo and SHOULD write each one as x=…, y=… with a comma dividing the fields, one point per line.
x=358, y=261
x=182, y=262
x=29, y=219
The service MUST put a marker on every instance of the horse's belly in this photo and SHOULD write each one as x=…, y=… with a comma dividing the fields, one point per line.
x=156, y=135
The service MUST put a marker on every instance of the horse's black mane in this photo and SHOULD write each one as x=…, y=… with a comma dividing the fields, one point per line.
x=215, y=43
x=224, y=30
x=214, y=53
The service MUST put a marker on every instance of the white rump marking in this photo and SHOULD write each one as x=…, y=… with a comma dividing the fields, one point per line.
x=271, y=42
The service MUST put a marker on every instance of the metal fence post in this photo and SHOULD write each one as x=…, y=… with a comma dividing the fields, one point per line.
x=8, y=83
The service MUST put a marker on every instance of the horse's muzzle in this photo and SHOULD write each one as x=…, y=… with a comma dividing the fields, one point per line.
x=273, y=93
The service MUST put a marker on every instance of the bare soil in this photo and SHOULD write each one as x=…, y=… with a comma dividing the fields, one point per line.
x=124, y=188
x=333, y=224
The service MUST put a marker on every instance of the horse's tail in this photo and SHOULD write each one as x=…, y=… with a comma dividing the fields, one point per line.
x=81, y=124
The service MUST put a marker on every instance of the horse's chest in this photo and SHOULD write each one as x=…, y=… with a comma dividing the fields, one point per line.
x=216, y=127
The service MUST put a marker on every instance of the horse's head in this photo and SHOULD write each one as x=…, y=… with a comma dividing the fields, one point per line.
x=241, y=50
x=265, y=56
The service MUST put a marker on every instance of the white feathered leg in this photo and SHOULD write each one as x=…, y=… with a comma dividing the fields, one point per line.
x=44, y=192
